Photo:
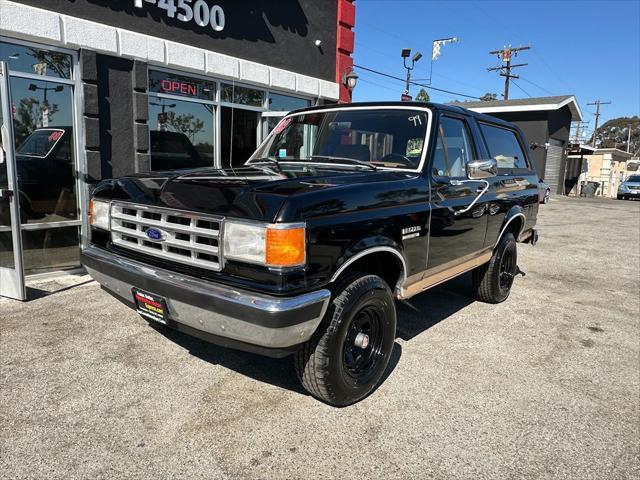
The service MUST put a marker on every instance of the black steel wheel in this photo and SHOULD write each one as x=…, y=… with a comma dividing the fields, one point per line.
x=363, y=344
x=492, y=281
x=346, y=358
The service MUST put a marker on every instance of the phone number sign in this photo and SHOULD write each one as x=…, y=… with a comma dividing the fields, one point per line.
x=195, y=11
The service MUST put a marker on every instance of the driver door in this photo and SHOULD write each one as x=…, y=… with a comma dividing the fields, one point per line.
x=457, y=232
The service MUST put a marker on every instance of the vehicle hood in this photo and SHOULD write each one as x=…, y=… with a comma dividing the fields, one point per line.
x=252, y=192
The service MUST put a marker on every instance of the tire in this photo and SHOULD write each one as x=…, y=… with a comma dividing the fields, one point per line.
x=330, y=366
x=545, y=199
x=492, y=281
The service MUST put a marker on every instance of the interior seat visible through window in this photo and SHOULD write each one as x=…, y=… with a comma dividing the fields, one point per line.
x=357, y=152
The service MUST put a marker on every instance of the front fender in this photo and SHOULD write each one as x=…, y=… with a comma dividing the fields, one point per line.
x=367, y=246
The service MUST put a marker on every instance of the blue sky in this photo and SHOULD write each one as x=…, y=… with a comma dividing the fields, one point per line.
x=590, y=49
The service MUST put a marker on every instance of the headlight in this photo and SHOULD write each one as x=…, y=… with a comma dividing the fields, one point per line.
x=277, y=245
x=99, y=214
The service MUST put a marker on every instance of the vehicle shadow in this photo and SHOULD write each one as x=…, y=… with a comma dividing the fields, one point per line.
x=414, y=317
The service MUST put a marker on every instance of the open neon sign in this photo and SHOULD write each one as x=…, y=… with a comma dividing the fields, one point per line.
x=174, y=86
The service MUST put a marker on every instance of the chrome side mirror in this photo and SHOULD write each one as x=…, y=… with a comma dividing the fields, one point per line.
x=480, y=169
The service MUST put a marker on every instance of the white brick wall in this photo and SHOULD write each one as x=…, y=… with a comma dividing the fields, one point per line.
x=308, y=85
x=29, y=22
x=21, y=21
x=223, y=65
x=283, y=79
x=183, y=56
x=81, y=33
x=254, y=72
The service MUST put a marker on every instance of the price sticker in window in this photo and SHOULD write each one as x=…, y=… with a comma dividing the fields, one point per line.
x=284, y=123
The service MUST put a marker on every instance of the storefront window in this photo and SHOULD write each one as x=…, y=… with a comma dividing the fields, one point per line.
x=180, y=85
x=181, y=134
x=239, y=135
x=36, y=61
x=285, y=103
x=241, y=95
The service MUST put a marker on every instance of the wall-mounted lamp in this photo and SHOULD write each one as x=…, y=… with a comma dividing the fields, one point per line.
x=350, y=79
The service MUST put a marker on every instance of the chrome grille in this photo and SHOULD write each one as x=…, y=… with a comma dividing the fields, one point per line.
x=188, y=238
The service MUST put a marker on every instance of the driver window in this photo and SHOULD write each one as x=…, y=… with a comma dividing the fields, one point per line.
x=453, y=149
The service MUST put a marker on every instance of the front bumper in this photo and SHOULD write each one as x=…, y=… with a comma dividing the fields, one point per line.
x=215, y=312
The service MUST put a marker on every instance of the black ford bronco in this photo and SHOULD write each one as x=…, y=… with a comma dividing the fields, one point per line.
x=305, y=249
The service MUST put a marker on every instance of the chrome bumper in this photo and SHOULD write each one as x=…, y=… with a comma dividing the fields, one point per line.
x=214, y=309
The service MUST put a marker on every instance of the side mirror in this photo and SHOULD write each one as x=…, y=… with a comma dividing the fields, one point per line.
x=480, y=169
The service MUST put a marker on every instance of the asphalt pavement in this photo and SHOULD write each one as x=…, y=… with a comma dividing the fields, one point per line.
x=545, y=385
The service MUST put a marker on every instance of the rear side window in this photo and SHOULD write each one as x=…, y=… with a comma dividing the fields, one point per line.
x=504, y=147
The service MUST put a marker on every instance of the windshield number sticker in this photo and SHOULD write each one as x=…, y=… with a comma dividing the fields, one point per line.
x=416, y=119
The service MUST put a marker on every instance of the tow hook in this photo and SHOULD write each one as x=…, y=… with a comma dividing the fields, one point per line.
x=361, y=341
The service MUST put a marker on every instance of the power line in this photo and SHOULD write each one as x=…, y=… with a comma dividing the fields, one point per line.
x=537, y=86
x=525, y=92
x=415, y=83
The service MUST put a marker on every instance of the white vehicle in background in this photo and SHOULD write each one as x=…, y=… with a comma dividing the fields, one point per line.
x=630, y=188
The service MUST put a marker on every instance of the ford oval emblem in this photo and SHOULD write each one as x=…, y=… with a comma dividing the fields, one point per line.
x=155, y=235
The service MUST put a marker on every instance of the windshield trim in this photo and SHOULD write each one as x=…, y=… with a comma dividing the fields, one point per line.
x=52, y=146
x=425, y=145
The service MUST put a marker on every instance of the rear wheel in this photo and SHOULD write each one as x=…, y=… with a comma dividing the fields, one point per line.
x=492, y=281
x=346, y=358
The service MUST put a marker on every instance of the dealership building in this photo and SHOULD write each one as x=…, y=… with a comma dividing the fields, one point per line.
x=104, y=88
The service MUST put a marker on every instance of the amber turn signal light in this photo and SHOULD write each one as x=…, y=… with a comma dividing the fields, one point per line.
x=285, y=247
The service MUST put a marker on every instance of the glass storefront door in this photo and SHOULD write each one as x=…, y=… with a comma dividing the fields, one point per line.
x=11, y=270
x=41, y=110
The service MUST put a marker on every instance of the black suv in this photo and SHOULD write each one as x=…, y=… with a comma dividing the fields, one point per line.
x=339, y=213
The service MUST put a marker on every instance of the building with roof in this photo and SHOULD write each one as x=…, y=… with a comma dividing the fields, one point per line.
x=546, y=123
x=607, y=167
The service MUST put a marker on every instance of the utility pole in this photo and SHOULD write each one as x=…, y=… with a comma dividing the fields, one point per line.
x=505, y=70
x=597, y=103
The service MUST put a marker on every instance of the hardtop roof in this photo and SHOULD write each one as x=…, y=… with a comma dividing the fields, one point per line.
x=433, y=106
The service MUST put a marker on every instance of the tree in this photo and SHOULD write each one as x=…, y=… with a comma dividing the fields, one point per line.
x=615, y=132
x=422, y=96
x=185, y=123
x=29, y=117
x=488, y=97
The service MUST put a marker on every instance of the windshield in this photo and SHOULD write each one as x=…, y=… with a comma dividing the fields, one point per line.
x=40, y=142
x=634, y=178
x=391, y=138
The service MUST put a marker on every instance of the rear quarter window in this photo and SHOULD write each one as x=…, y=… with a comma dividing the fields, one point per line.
x=504, y=146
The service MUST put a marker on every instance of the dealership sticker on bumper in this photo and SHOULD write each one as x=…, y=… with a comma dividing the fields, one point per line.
x=150, y=306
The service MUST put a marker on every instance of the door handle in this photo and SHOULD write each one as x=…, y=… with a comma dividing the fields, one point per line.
x=481, y=191
x=5, y=193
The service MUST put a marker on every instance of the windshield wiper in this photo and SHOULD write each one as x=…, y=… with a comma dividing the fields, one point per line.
x=344, y=159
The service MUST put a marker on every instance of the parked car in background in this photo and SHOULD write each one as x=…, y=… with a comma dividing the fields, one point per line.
x=46, y=175
x=545, y=191
x=630, y=188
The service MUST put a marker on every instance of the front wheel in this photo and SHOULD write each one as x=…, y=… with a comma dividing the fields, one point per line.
x=492, y=281
x=346, y=358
